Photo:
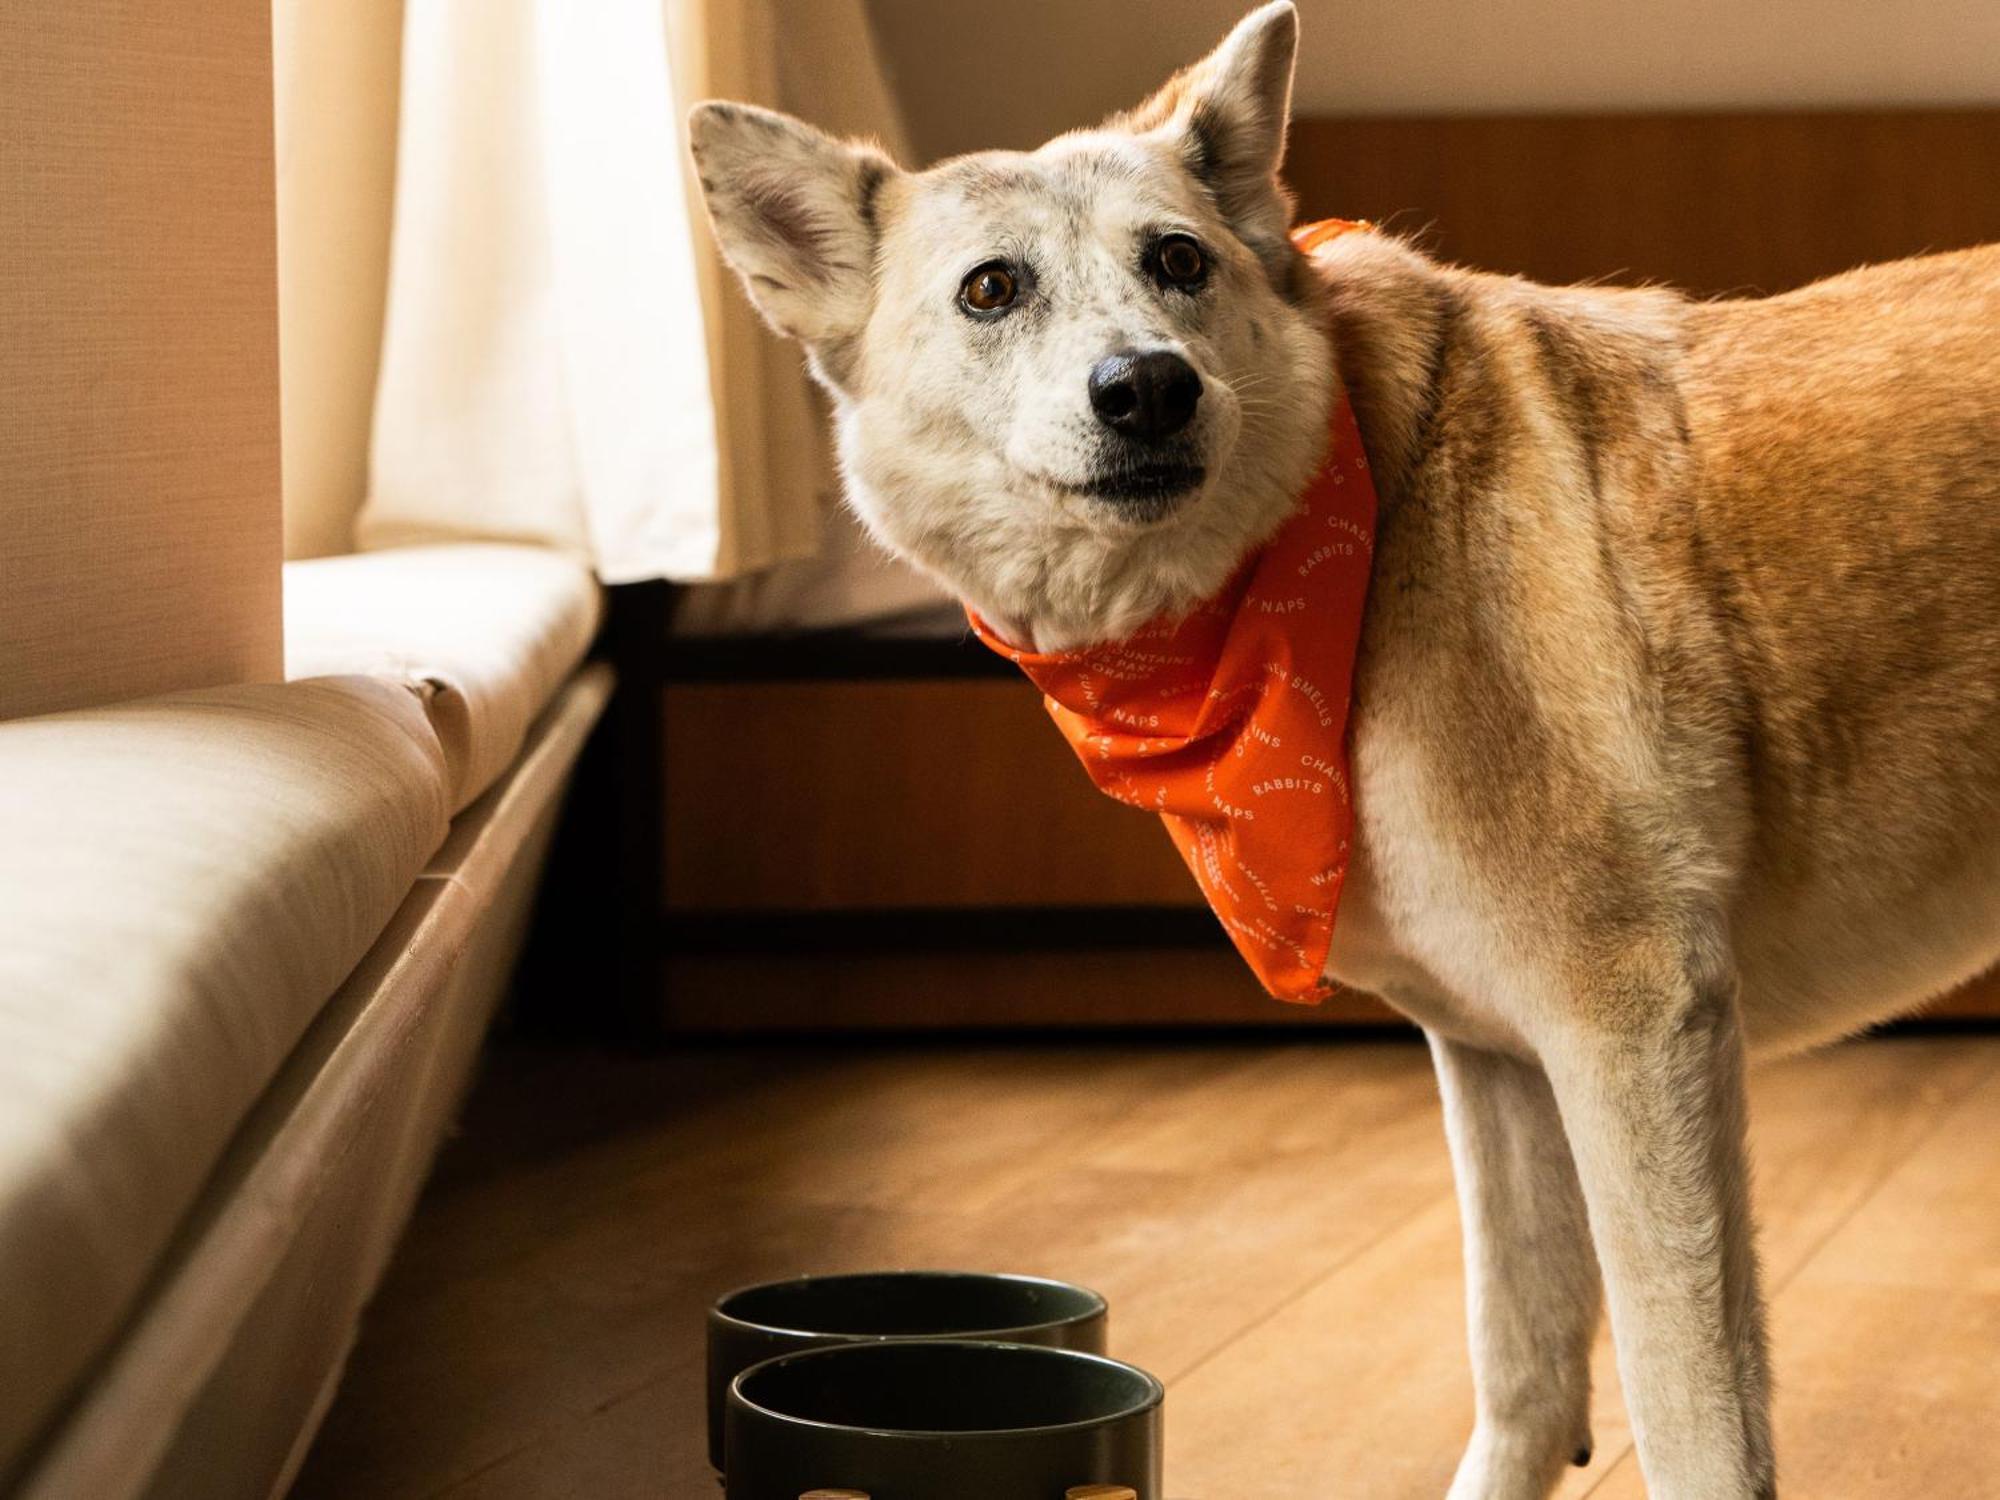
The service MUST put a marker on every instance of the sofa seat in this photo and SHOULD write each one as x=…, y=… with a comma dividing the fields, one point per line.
x=183, y=882
x=484, y=632
x=201, y=897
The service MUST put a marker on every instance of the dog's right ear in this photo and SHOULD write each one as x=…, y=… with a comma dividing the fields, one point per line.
x=1229, y=113
x=794, y=213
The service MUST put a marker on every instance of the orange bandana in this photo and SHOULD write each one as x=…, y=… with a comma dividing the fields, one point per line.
x=1232, y=723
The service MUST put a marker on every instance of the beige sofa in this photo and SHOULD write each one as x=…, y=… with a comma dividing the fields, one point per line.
x=269, y=831
x=249, y=939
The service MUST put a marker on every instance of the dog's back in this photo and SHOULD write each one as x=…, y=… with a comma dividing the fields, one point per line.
x=1847, y=499
x=1740, y=562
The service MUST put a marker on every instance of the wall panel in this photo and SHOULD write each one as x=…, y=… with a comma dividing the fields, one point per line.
x=139, y=513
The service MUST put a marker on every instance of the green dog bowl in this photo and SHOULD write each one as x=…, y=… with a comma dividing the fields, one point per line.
x=939, y=1419
x=758, y=1323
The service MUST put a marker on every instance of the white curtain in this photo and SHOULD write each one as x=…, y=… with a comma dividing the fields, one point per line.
x=564, y=360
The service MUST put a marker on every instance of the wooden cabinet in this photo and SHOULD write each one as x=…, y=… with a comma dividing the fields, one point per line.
x=870, y=853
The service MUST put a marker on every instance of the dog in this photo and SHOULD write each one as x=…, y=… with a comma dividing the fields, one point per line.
x=1676, y=718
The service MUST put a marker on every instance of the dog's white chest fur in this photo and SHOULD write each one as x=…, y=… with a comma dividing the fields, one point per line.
x=1409, y=927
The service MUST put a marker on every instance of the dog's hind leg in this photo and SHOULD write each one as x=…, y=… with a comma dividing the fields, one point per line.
x=1532, y=1295
x=1648, y=1074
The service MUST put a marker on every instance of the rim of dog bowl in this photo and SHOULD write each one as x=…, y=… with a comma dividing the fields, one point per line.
x=1100, y=1306
x=1155, y=1389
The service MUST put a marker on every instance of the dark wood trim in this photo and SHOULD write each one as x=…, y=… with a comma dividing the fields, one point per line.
x=916, y=989
x=912, y=992
x=961, y=930
x=832, y=655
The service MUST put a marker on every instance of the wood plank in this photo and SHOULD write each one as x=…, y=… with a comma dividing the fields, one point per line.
x=1713, y=203
x=818, y=796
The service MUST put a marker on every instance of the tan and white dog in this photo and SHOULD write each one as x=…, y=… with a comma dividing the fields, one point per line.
x=1677, y=717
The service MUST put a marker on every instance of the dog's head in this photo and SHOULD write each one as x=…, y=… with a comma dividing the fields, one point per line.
x=1076, y=385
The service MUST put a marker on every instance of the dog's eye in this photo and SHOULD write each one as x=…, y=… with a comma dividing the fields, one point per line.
x=989, y=289
x=1178, y=261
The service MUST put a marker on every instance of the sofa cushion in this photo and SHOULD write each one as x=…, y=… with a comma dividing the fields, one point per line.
x=183, y=882
x=486, y=631
x=216, y=1380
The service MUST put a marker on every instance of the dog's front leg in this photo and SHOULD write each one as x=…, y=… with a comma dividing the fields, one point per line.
x=1531, y=1278
x=1649, y=1079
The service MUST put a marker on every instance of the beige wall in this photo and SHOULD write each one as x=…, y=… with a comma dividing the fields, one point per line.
x=974, y=76
x=139, y=524
x=338, y=68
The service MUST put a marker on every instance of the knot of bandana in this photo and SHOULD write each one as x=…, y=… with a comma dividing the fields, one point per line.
x=1231, y=723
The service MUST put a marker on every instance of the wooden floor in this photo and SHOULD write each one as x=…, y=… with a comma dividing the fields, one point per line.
x=1272, y=1222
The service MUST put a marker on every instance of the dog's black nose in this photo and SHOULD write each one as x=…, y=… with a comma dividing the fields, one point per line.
x=1147, y=396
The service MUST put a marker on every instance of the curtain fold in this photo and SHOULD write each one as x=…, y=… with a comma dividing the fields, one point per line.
x=564, y=360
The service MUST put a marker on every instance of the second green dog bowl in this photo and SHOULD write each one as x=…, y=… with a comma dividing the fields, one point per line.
x=943, y=1420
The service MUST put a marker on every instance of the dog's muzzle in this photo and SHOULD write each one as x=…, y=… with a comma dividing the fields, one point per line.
x=1147, y=399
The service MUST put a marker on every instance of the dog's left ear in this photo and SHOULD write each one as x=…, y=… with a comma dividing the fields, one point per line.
x=1230, y=112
